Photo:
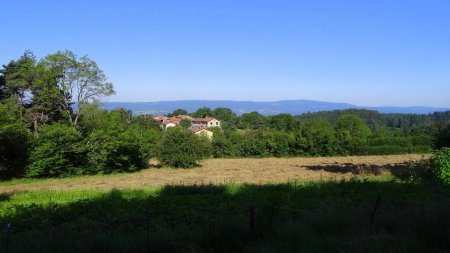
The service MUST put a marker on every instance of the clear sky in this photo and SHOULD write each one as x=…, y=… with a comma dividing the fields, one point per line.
x=379, y=52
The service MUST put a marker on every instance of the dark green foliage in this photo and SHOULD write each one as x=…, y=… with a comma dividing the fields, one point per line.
x=145, y=122
x=442, y=137
x=18, y=77
x=376, y=120
x=319, y=138
x=284, y=122
x=441, y=164
x=221, y=146
x=385, y=150
x=110, y=142
x=185, y=123
x=277, y=143
x=254, y=145
x=2, y=87
x=14, y=142
x=352, y=134
x=58, y=151
x=235, y=138
x=251, y=120
x=177, y=112
x=203, y=112
x=180, y=148
x=113, y=150
x=228, y=118
x=116, y=144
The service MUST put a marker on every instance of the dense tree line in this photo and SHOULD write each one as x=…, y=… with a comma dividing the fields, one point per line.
x=51, y=125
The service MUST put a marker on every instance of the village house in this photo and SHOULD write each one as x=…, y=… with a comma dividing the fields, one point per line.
x=160, y=118
x=170, y=122
x=206, y=122
x=201, y=131
x=202, y=123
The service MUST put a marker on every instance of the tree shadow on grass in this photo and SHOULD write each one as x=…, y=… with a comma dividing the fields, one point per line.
x=313, y=217
x=407, y=170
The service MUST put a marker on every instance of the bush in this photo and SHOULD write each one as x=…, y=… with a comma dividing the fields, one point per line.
x=220, y=145
x=180, y=148
x=58, y=151
x=352, y=134
x=318, y=138
x=441, y=164
x=277, y=143
x=253, y=145
x=116, y=144
x=113, y=151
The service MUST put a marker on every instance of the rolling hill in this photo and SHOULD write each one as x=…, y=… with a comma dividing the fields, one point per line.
x=294, y=107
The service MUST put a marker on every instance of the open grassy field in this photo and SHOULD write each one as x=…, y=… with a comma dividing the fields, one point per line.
x=223, y=171
x=366, y=213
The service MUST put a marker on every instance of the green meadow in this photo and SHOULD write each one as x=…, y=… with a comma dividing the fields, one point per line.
x=358, y=215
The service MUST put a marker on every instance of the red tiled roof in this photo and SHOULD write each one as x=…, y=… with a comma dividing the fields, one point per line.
x=172, y=120
x=159, y=117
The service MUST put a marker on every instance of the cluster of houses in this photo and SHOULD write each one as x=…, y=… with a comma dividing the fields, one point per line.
x=199, y=126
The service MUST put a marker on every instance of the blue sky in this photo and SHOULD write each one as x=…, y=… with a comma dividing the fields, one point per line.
x=381, y=52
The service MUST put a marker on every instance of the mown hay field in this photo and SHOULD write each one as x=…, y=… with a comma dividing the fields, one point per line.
x=241, y=170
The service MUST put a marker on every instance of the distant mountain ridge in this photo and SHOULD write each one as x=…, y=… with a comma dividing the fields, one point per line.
x=294, y=107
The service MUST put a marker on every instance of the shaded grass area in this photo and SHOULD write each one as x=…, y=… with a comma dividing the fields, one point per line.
x=331, y=216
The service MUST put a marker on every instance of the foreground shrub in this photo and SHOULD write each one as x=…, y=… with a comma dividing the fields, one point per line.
x=441, y=164
x=180, y=148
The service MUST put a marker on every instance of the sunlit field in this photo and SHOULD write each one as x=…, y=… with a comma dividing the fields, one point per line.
x=239, y=170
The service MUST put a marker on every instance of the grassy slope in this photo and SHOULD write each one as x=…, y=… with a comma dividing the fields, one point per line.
x=329, y=216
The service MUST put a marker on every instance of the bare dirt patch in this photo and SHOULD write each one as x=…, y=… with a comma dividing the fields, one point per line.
x=242, y=170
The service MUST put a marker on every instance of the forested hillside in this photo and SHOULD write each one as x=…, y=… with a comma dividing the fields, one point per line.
x=51, y=125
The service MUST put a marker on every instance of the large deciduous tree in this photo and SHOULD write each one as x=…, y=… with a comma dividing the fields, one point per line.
x=79, y=80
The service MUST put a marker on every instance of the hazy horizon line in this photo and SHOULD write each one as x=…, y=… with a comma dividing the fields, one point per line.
x=273, y=101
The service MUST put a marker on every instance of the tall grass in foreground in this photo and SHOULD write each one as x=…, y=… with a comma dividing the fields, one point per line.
x=292, y=217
